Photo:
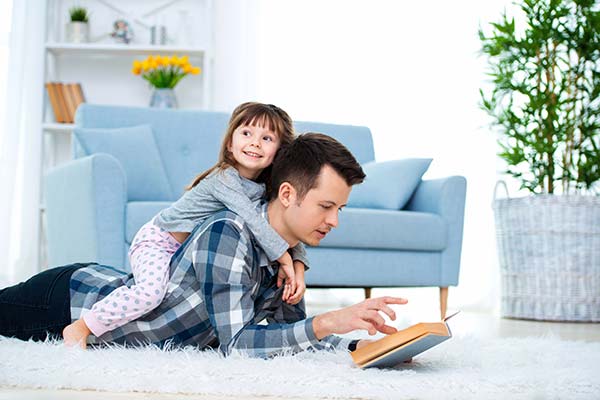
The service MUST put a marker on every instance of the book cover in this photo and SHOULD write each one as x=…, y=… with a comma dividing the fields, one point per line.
x=77, y=94
x=61, y=101
x=403, y=345
x=54, y=103
x=69, y=101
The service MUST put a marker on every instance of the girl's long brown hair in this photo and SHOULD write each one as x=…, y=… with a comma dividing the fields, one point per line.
x=251, y=113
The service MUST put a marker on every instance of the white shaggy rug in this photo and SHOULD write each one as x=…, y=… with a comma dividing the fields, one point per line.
x=461, y=368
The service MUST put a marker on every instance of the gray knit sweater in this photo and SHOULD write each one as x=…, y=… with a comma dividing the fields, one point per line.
x=227, y=189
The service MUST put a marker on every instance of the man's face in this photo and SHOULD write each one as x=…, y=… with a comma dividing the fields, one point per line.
x=311, y=218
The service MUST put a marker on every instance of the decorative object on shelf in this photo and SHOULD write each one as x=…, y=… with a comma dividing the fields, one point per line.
x=122, y=31
x=545, y=104
x=158, y=31
x=163, y=73
x=158, y=35
x=78, y=29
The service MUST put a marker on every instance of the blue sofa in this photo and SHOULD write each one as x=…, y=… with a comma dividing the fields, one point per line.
x=97, y=202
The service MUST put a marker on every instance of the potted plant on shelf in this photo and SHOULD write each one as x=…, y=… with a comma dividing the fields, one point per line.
x=163, y=73
x=545, y=106
x=78, y=28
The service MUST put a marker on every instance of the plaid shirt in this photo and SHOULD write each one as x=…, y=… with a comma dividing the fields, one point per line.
x=221, y=288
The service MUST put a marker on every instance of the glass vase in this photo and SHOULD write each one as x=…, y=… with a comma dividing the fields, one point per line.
x=163, y=98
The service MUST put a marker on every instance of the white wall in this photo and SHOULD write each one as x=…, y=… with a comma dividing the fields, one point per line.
x=408, y=70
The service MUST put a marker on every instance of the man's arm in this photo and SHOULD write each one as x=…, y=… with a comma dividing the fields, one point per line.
x=287, y=313
x=364, y=315
x=223, y=261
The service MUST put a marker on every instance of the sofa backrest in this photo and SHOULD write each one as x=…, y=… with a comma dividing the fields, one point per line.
x=189, y=141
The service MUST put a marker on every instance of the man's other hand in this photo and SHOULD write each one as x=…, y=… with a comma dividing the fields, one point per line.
x=364, y=315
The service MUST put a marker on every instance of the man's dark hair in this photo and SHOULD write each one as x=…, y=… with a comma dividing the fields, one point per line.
x=300, y=163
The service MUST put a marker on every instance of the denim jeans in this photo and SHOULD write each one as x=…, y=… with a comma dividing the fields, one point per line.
x=39, y=307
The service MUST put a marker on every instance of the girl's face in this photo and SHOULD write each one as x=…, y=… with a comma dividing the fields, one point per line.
x=253, y=147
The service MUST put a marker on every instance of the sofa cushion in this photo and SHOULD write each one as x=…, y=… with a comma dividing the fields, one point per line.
x=390, y=184
x=358, y=228
x=357, y=139
x=385, y=229
x=135, y=148
x=140, y=212
x=188, y=140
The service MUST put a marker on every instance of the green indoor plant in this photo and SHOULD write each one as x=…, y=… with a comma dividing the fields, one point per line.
x=546, y=95
x=545, y=106
x=77, y=29
x=78, y=14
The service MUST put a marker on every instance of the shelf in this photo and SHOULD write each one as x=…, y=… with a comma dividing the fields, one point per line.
x=120, y=49
x=56, y=127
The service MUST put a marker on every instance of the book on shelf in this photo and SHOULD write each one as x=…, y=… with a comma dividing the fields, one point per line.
x=403, y=345
x=64, y=99
x=75, y=95
x=78, y=93
x=59, y=113
x=69, y=102
x=60, y=91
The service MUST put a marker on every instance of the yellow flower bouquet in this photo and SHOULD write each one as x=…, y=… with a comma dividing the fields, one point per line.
x=164, y=72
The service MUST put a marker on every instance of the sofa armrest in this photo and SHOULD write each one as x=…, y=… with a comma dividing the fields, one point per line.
x=85, y=211
x=445, y=197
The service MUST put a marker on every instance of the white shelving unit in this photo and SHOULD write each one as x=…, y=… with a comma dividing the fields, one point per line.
x=119, y=49
x=55, y=127
x=103, y=66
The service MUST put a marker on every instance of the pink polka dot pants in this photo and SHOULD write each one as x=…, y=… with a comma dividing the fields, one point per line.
x=149, y=255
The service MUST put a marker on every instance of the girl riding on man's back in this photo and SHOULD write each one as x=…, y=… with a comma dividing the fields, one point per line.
x=238, y=182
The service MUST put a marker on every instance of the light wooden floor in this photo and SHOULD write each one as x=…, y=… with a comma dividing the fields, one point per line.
x=483, y=325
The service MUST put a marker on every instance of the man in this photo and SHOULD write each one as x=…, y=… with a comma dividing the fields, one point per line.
x=222, y=285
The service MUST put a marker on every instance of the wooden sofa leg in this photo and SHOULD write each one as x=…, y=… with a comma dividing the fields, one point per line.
x=367, y=292
x=443, y=301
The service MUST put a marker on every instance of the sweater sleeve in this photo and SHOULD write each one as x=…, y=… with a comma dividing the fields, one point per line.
x=231, y=193
x=295, y=313
x=299, y=254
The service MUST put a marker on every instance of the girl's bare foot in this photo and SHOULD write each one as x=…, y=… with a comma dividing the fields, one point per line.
x=76, y=334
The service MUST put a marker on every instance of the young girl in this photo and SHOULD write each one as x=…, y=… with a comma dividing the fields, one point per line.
x=237, y=182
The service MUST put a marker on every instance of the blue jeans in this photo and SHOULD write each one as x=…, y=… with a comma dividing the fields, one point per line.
x=39, y=307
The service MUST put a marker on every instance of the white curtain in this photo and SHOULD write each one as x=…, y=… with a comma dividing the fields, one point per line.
x=21, y=144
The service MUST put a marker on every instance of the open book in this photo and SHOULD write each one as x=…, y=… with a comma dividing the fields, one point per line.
x=398, y=347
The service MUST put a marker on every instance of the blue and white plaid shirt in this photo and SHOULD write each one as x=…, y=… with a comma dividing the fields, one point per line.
x=221, y=287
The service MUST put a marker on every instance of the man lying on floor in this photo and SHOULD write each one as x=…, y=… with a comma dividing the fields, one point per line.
x=221, y=282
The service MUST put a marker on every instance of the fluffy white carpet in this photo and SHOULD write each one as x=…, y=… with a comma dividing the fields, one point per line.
x=465, y=368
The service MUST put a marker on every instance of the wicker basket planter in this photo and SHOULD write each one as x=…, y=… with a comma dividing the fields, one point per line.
x=549, y=250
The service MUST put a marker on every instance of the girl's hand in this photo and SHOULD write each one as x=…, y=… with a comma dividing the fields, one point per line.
x=286, y=274
x=296, y=296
